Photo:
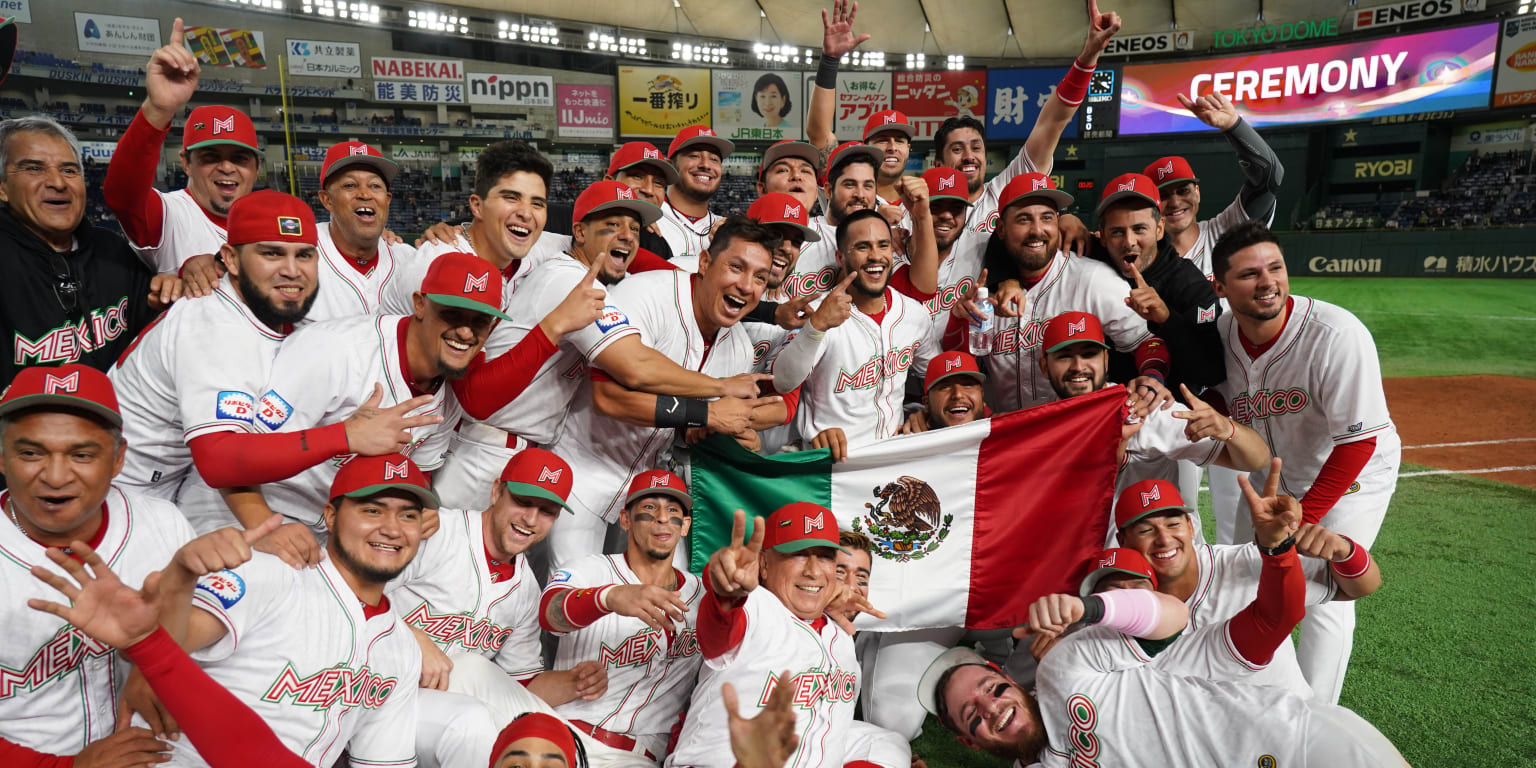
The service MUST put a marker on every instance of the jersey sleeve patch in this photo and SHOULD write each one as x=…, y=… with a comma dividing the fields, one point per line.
x=226, y=586
x=611, y=318
x=273, y=410
x=232, y=404
x=560, y=577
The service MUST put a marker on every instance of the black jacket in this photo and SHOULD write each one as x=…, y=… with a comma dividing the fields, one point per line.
x=1194, y=344
x=109, y=303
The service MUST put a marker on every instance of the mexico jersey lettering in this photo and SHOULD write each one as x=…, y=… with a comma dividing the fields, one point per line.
x=185, y=231
x=685, y=236
x=300, y=652
x=1317, y=386
x=1069, y=284
x=816, y=269
x=650, y=673
x=450, y=593
x=823, y=670
x=58, y=687
x=347, y=292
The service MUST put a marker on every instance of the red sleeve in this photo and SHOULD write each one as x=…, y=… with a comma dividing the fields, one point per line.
x=490, y=386
x=598, y=374
x=578, y=607
x=647, y=261
x=130, y=184
x=901, y=280
x=1260, y=627
x=1335, y=478
x=791, y=402
x=225, y=731
x=228, y=459
x=1152, y=358
x=957, y=334
x=722, y=622
x=17, y=756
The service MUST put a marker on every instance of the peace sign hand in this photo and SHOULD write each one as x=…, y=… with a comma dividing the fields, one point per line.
x=733, y=569
x=1275, y=517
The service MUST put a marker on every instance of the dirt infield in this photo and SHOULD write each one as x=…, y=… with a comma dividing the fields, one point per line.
x=1435, y=410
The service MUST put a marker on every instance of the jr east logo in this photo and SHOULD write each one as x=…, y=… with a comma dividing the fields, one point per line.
x=1268, y=402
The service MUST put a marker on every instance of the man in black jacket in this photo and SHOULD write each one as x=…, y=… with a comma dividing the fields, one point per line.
x=69, y=291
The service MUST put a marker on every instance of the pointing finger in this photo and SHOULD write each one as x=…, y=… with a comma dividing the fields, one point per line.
x=1189, y=397
x=178, y=36
x=267, y=526
x=842, y=287
x=1189, y=105
x=1141, y=282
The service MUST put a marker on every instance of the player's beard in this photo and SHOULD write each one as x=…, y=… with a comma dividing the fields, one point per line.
x=1063, y=393
x=266, y=310
x=1028, y=749
x=363, y=571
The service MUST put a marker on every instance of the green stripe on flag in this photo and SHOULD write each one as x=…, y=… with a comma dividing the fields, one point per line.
x=726, y=477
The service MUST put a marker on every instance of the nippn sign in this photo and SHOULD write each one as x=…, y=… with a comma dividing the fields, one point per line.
x=511, y=90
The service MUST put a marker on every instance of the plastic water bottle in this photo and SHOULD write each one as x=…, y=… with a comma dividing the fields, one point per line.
x=981, y=332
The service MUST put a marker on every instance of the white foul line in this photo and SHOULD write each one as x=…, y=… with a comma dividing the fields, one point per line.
x=1442, y=316
x=1467, y=471
x=1473, y=442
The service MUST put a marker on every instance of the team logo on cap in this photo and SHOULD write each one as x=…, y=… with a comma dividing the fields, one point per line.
x=476, y=283
x=1108, y=562
x=815, y=523
x=1165, y=170
x=626, y=194
x=649, y=153
x=357, y=149
x=1040, y=183
x=905, y=522
x=706, y=132
x=887, y=119
x=54, y=384
x=951, y=364
x=291, y=226
x=401, y=470
x=1156, y=494
x=222, y=125
x=547, y=475
x=1129, y=186
x=1081, y=326
x=661, y=481
x=946, y=182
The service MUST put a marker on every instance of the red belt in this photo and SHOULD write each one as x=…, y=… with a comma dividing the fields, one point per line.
x=615, y=740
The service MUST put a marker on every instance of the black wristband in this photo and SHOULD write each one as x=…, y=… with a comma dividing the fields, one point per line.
x=681, y=412
x=697, y=412
x=826, y=72
x=1279, y=549
x=1093, y=609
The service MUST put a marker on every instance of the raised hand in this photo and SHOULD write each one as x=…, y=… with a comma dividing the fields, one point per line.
x=1274, y=516
x=914, y=192
x=837, y=36
x=768, y=740
x=375, y=431
x=792, y=314
x=964, y=309
x=1051, y=615
x=1213, y=109
x=581, y=307
x=222, y=549
x=836, y=308
x=170, y=78
x=1101, y=27
x=1204, y=421
x=847, y=603
x=102, y=606
x=1145, y=301
x=733, y=569
x=658, y=607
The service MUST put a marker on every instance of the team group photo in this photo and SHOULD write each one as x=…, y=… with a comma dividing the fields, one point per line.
x=767, y=383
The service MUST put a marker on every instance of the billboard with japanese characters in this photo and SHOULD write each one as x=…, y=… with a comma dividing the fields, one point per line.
x=859, y=96
x=752, y=105
x=585, y=111
x=660, y=101
x=929, y=98
x=1015, y=97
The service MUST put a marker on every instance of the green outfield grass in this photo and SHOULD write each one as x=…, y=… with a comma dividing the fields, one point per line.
x=1443, y=661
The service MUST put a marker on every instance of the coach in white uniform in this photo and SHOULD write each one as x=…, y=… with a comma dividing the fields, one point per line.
x=357, y=266
x=1304, y=374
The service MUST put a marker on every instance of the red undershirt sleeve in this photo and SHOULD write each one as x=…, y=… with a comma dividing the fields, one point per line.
x=647, y=261
x=17, y=756
x=901, y=280
x=1335, y=478
x=1152, y=358
x=1260, y=627
x=957, y=334
x=225, y=731
x=791, y=401
x=229, y=459
x=722, y=622
x=129, y=187
x=491, y=385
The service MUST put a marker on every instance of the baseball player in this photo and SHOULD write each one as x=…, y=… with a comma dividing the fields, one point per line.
x=219, y=155
x=792, y=168
x=641, y=167
x=616, y=431
x=774, y=603
x=952, y=394
x=1304, y=374
x=849, y=185
x=317, y=652
x=60, y=446
x=686, y=221
x=357, y=266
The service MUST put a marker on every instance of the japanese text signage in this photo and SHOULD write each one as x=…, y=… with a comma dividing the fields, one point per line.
x=929, y=98
x=324, y=58
x=420, y=93
x=859, y=96
x=757, y=106
x=102, y=33
x=1517, y=62
x=660, y=101
x=584, y=111
x=429, y=70
x=511, y=90
x=1016, y=97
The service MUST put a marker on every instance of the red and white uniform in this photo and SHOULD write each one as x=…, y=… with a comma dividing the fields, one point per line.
x=397, y=298
x=650, y=674
x=1069, y=284
x=324, y=671
x=1211, y=230
x=685, y=235
x=197, y=370
x=816, y=268
x=1155, y=452
x=959, y=269
x=186, y=230
x=347, y=290
x=58, y=687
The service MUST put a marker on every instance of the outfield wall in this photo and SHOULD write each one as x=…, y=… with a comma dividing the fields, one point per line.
x=1416, y=253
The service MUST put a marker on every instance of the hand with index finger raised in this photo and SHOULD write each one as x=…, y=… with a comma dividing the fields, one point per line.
x=836, y=307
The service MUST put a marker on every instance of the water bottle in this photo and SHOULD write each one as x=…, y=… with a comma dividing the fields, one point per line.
x=981, y=332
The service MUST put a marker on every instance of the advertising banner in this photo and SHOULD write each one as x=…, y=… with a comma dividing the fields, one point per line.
x=414, y=152
x=102, y=33
x=1409, y=11
x=859, y=96
x=584, y=111
x=1517, y=62
x=17, y=9
x=227, y=47
x=929, y=98
x=752, y=105
x=1015, y=99
x=420, y=93
x=98, y=151
x=1509, y=134
x=1156, y=42
x=427, y=70
x=1379, y=168
x=324, y=58
x=502, y=89
x=660, y=101
x=1443, y=70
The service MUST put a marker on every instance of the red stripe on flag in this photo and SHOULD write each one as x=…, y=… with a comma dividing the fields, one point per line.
x=1045, y=480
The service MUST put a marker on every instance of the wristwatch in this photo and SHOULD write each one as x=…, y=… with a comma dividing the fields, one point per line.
x=1278, y=549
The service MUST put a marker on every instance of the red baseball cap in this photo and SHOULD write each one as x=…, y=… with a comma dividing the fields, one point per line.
x=1170, y=170
x=1147, y=497
x=539, y=474
x=789, y=148
x=849, y=150
x=695, y=135
x=355, y=154
x=945, y=183
x=602, y=196
x=217, y=124
x=367, y=476
x=659, y=482
x=536, y=725
x=73, y=386
x=268, y=215
x=801, y=525
x=1114, y=561
x=950, y=364
x=782, y=208
x=1071, y=328
x=888, y=120
x=466, y=281
x=633, y=153
x=1032, y=185
x=1134, y=186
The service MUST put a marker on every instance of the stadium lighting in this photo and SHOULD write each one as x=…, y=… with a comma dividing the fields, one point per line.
x=916, y=61
x=543, y=35
x=782, y=54
x=627, y=46
x=864, y=58
x=437, y=21
x=703, y=54
x=273, y=5
x=955, y=61
x=342, y=9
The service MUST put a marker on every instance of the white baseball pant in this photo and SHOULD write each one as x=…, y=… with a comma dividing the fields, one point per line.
x=1338, y=737
x=476, y=455
x=892, y=665
x=452, y=730
x=877, y=745
x=1227, y=507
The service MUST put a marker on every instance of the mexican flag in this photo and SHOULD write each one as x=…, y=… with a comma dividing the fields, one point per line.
x=970, y=524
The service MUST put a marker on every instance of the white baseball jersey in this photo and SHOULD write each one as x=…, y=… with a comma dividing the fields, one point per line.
x=650, y=673
x=859, y=378
x=301, y=651
x=1103, y=704
x=396, y=298
x=346, y=292
x=1154, y=449
x=816, y=269
x=197, y=370
x=1070, y=284
x=1317, y=386
x=358, y=352
x=451, y=593
x=685, y=236
x=58, y=687
x=822, y=668
x=1211, y=230
x=959, y=268
x=659, y=307
x=186, y=230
